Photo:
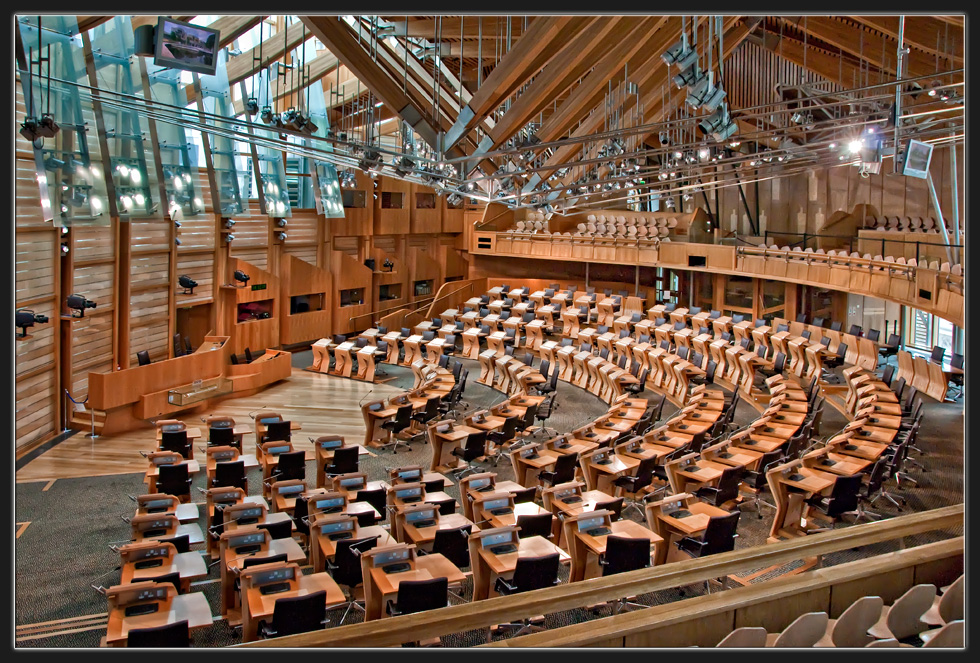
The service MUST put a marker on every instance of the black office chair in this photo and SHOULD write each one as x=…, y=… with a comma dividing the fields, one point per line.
x=887, y=374
x=726, y=490
x=473, y=448
x=890, y=348
x=624, y=554
x=174, y=480
x=855, y=330
x=834, y=361
x=526, y=495
x=375, y=497
x=143, y=357
x=345, y=569
x=756, y=482
x=527, y=421
x=564, y=470
x=248, y=356
x=448, y=405
x=718, y=537
x=530, y=573
x=538, y=524
x=842, y=499
x=223, y=436
x=230, y=473
x=871, y=484
x=402, y=420
x=234, y=359
x=632, y=484
x=818, y=322
x=345, y=460
x=289, y=465
x=429, y=413
x=873, y=335
x=418, y=596
x=778, y=366
x=181, y=543
x=938, y=353
x=176, y=634
x=956, y=379
x=452, y=544
x=279, y=529
x=178, y=347
x=549, y=387
x=172, y=578
x=836, y=326
x=176, y=441
x=296, y=614
x=614, y=506
x=506, y=434
x=709, y=374
x=543, y=413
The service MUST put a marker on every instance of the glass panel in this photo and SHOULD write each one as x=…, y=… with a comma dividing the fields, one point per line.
x=70, y=173
x=944, y=336
x=134, y=176
x=232, y=172
x=919, y=332
x=179, y=156
x=738, y=292
x=773, y=294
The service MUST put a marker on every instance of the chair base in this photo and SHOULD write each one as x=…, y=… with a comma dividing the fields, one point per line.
x=531, y=625
x=352, y=604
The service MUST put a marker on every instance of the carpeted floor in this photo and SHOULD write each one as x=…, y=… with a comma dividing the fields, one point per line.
x=66, y=548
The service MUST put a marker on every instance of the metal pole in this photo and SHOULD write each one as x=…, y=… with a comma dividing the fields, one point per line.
x=896, y=166
x=636, y=283
x=955, y=202
x=942, y=221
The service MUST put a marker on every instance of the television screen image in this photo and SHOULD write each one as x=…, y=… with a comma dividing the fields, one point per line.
x=186, y=46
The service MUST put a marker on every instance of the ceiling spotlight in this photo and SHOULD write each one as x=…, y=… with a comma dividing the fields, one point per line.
x=252, y=106
x=403, y=165
x=704, y=153
x=64, y=248
x=53, y=163
x=669, y=203
x=228, y=223
x=686, y=197
x=686, y=76
x=676, y=51
x=698, y=89
x=281, y=223
x=832, y=145
x=280, y=235
x=796, y=117
x=29, y=129
x=664, y=138
x=855, y=146
x=267, y=114
x=678, y=154
x=713, y=99
x=47, y=127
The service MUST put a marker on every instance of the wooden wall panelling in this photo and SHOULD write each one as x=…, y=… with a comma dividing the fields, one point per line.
x=704, y=632
x=35, y=267
x=149, y=327
x=299, y=277
x=199, y=265
x=38, y=351
x=422, y=266
x=193, y=322
x=357, y=220
x=257, y=335
x=91, y=350
x=349, y=274
x=37, y=408
x=396, y=220
x=455, y=264
x=423, y=219
x=453, y=218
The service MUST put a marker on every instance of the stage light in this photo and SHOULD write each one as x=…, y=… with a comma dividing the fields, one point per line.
x=280, y=235
x=676, y=51
x=26, y=318
x=241, y=276
x=664, y=138
x=686, y=76
x=47, y=127
x=29, y=129
x=252, y=106
x=53, y=163
x=281, y=223
x=79, y=303
x=855, y=146
x=64, y=248
x=228, y=223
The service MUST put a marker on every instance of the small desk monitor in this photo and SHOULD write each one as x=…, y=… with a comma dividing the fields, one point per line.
x=409, y=475
x=496, y=539
x=352, y=483
x=389, y=556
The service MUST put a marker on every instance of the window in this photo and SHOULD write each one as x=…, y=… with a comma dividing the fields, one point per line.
x=391, y=200
x=924, y=330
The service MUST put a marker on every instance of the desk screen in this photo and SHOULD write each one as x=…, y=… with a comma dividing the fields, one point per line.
x=289, y=490
x=247, y=539
x=599, y=457
x=331, y=444
x=589, y=523
x=444, y=428
x=171, y=428
x=275, y=451
x=565, y=493
x=352, y=481
x=155, y=551
x=223, y=455
x=164, y=460
x=329, y=503
x=156, y=504
x=423, y=514
x=270, y=420
x=480, y=483
x=155, y=593
x=392, y=556
x=374, y=407
x=253, y=512
x=273, y=575
x=154, y=524
x=338, y=526
x=411, y=492
x=496, y=539
x=529, y=451
x=496, y=504
x=409, y=474
x=220, y=424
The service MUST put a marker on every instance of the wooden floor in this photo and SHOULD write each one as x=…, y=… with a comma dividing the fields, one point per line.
x=320, y=403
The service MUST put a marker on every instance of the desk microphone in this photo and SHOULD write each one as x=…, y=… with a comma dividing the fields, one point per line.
x=361, y=402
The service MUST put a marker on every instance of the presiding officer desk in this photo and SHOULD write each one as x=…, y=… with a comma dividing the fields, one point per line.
x=131, y=396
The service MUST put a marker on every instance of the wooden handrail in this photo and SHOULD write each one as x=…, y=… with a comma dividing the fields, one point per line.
x=673, y=615
x=453, y=619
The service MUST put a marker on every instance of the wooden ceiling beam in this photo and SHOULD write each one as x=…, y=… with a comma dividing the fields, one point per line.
x=487, y=27
x=869, y=47
x=573, y=62
x=924, y=33
x=542, y=41
x=338, y=36
x=232, y=27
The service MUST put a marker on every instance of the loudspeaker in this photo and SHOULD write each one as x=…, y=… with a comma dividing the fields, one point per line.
x=144, y=39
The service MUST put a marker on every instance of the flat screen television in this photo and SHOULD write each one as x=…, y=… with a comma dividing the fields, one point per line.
x=181, y=45
x=917, y=158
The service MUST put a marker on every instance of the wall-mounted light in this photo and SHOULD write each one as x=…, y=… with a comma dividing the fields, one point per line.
x=281, y=223
x=241, y=276
x=64, y=248
x=187, y=283
x=280, y=235
x=228, y=223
